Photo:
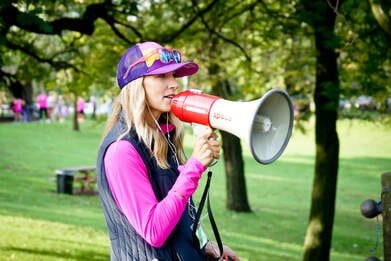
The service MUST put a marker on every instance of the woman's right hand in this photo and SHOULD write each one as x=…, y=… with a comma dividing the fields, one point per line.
x=212, y=250
x=206, y=147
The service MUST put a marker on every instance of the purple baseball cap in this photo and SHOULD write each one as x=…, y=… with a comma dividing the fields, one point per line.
x=144, y=59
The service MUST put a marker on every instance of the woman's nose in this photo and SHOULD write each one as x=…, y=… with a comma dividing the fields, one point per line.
x=173, y=84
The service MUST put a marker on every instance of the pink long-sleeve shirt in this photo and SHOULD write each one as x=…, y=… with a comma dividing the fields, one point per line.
x=128, y=180
x=42, y=100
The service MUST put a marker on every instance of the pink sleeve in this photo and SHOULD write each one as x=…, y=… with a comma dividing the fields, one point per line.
x=128, y=180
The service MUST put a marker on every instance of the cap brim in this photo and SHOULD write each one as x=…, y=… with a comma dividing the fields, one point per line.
x=179, y=69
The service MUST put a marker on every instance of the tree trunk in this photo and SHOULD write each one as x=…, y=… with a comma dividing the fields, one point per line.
x=386, y=214
x=233, y=159
x=234, y=168
x=75, y=114
x=319, y=231
x=28, y=92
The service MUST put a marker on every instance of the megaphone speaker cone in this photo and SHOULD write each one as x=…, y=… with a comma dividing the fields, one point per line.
x=271, y=127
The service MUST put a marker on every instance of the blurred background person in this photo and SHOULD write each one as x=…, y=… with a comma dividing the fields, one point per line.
x=60, y=109
x=51, y=104
x=42, y=105
x=17, y=108
x=80, y=109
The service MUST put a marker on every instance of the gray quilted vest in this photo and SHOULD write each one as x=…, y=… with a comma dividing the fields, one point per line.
x=126, y=244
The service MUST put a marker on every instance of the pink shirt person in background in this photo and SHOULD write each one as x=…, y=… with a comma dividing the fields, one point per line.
x=80, y=105
x=17, y=108
x=42, y=105
x=80, y=109
x=42, y=100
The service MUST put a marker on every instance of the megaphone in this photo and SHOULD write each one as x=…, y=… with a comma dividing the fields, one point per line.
x=264, y=124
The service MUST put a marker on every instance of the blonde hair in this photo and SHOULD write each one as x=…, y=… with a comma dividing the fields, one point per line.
x=133, y=104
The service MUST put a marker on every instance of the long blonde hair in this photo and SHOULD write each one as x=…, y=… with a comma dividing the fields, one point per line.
x=133, y=104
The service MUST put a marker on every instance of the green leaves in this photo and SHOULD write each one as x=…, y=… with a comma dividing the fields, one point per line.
x=256, y=45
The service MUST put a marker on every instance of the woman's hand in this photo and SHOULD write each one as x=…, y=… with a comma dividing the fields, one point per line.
x=212, y=250
x=206, y=147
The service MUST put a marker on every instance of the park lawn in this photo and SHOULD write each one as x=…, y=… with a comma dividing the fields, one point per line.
x=39, y=224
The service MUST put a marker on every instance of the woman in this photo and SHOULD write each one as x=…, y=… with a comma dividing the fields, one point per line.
x=144, y=182
x=17, y=108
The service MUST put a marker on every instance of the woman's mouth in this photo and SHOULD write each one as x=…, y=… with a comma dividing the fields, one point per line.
x=169, y=96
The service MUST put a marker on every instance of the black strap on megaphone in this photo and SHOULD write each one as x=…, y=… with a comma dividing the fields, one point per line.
x=205, y=196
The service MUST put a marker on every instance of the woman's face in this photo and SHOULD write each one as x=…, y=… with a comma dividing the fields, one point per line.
x=159, y=90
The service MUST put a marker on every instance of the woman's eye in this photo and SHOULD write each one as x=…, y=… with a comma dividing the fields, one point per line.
x=165, y=76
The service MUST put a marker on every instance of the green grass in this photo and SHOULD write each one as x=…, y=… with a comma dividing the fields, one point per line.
x=39, y=224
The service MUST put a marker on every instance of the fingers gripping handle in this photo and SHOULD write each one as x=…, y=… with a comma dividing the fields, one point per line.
x=199, y=130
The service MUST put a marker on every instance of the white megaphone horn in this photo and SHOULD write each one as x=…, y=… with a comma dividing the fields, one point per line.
x=264, y=124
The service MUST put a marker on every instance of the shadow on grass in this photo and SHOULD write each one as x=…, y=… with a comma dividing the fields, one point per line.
x=74, y=255
x=303, y=164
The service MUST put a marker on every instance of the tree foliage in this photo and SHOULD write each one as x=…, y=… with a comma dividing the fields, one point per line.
x=364, y=53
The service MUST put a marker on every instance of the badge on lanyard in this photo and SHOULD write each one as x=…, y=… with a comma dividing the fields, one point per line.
x=201, y=235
